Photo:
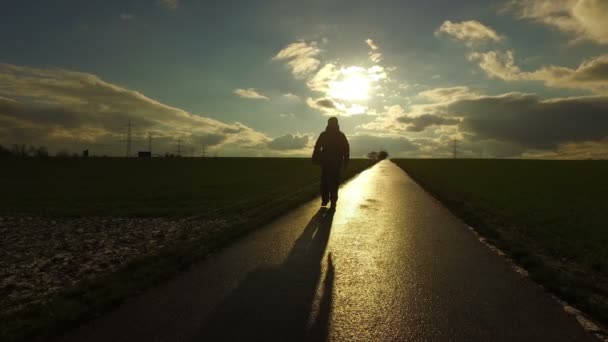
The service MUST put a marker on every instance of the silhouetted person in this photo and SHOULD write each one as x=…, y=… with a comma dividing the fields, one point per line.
x=332, y=152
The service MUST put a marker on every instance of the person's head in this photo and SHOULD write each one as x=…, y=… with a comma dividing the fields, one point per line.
x=332, y=122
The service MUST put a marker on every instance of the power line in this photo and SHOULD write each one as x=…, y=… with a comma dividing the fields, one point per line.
x=179, y=147
x=129, y=138
x=150, y=142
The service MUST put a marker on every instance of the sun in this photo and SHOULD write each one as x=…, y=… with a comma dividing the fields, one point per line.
x=352, y=85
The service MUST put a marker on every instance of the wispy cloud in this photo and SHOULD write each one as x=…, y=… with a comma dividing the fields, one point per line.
x=371, y=44
x=589, y=75
x=331, y=107
x=374, y=55
x=250, y=93
x=301, y=58
x=443, y=95
x=585, y=19
x=321, y=80
x=289, y=142
x=170, y=4
x=471, y=32
x=291, y=96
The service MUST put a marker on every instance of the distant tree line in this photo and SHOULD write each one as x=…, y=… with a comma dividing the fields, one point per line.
x=22, y=150
x=377, y=155
x=25, y=151
x=30, y=151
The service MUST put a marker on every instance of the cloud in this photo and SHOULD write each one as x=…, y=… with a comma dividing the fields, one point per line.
x=170, y=4
x=126, y=16
x=584, y=19
x=591, y=75
x=330, y=79
x=502, y=125
x=300, y=57
x=422, y=122
x=249, y=93
x=584, y=150
x=396, y=120
x=471, y=32
x=371, y=44
x=441, y=95
x=387, y=121
x=291, y=96
x=321, y=81
x=498, y=64
x=289, y=142
x=533, y=123
x=374, y=55
x=326, y=105
x=331, y=107
x=62, y=108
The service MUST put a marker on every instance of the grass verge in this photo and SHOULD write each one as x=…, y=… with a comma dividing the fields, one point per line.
x=90, y=299
x=548, y=216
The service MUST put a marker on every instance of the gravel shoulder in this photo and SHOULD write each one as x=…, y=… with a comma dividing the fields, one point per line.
x=40, y=256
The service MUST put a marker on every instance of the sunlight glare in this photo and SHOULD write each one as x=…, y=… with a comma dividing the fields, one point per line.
x=353, y=85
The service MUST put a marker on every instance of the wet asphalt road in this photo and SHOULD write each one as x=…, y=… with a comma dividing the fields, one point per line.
x=391, y=264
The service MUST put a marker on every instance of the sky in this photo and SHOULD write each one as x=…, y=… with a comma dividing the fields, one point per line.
x=501, y=78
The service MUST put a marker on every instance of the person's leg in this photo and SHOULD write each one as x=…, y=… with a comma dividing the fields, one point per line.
x=334, y=184
x=324, y=185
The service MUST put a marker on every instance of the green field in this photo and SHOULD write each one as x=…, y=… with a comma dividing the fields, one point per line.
x=550, y=216
x=152, y=187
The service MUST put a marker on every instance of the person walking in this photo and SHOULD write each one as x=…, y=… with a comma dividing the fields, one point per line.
x=332, y=153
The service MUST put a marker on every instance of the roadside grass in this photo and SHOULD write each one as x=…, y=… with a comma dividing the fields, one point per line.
x=551, y=217
x=252, y=192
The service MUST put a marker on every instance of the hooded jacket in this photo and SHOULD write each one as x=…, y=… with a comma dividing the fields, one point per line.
x=332, y=147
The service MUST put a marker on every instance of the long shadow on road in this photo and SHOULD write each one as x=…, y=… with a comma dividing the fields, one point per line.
x=276, y=303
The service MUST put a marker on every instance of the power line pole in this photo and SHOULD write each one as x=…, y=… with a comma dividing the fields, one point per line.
x=129, y=138
x=204, y=151
x=179, y=147
x=454, y=148
x=150, y=143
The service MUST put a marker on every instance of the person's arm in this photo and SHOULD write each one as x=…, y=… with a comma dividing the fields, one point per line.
x=346, y=151
x=316, y=153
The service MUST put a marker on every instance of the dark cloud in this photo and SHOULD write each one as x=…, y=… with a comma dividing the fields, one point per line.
x=420, y=123
x=288, y=142
x=69, y=109
x=208, y=139
x=593, y=70
x=532, y=123
x=232, y=130
x=326, y=103
x=55, y=115
x=69, y=118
